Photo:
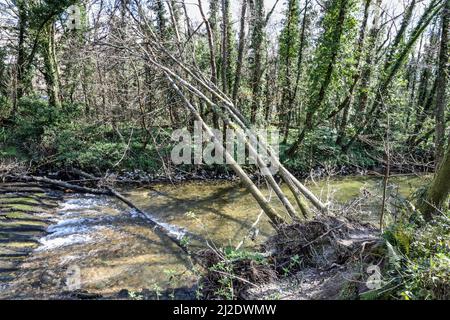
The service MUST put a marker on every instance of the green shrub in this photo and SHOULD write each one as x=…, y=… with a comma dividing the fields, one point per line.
x=34, y=119
x=5, y=107
x=319, y=149
x=423, y=268
x=99, y=148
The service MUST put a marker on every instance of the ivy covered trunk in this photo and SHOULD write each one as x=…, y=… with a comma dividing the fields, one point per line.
x=442, y=84
x=21, y=54
x=50, y=66
x=257, y=56
x=437, y=194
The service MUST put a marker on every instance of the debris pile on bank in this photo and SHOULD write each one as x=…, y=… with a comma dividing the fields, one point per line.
x=315, y=250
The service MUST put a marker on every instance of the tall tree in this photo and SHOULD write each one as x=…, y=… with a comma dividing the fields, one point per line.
x=442, y=83
x=289, y=51
x=256, y=46
x=347, y=102
x=392, y=67
x=210, y=25
x=51, y=72
x=240, y=57
x=226, y=46
x=37, y=19
x=426, y=90
x=303, y=43
x=329, y=47
x=22, y=81
x=368, y=69
x=161, y=17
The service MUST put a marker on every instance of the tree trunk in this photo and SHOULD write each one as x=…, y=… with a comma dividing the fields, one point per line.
x=241, y=47
x=212, y=48
x=438, y=191
x=227, y=106
x=256, y=46
x=392, y=68
x=347, y=103
x=317, y=99
x=288, y=43
x=300, y=57
x=50, y=66
x=366, y=77
x=442, y=83
x=21, y=55
x=401, y=33
x=259, y=197
x=226, y=46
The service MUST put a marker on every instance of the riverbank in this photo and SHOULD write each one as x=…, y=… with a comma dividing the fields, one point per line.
x=137, y=156
x=334, y=259
x=12, y=170
x=311, y=260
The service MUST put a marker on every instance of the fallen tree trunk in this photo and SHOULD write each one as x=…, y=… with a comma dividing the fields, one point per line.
x=238, y=120
x=289, y=179
x=147, y=53
x=294, y=184
x=64, y=185
x=175, y=234
x=259, y=197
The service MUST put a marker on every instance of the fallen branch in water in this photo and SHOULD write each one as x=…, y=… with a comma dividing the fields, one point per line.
x=63, y=185
x=174, y=234
x=113, y=192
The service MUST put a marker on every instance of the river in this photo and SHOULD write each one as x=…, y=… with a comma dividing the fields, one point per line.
x=96, y=244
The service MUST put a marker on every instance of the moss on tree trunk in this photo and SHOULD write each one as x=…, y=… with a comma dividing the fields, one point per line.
x=438, y=191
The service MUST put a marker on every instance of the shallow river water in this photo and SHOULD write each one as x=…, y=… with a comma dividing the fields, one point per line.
x=109, y=248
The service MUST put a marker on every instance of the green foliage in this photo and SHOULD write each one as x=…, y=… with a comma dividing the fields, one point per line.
x=294, y=264
x=226, y=269
x=320, y=150
x=232, y=254
x=422, y=270
x=34, y=116
x=43, y=132
x=98, y=148
x=10, y=152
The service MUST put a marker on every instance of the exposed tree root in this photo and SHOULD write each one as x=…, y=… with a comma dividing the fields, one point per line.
x=321, y=243
x=229, y=278
x=319, y=250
